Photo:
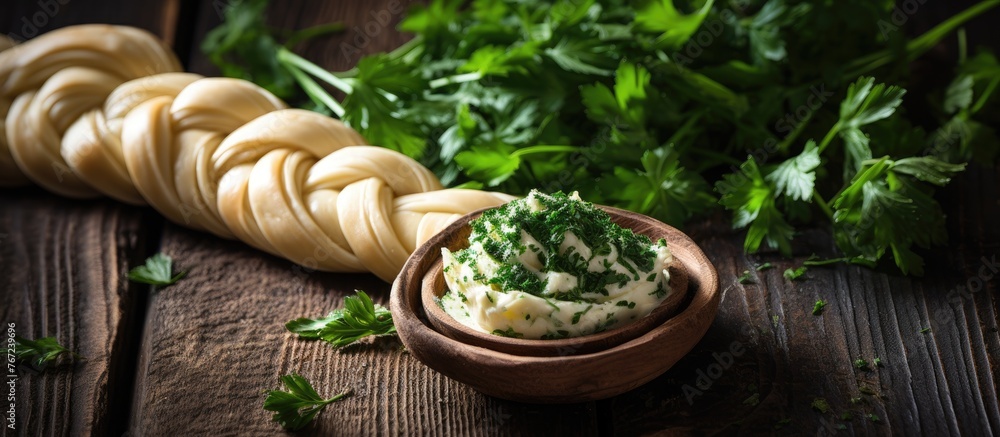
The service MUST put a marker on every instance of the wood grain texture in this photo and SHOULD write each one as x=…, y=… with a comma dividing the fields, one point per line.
x=216, y=341
x=62, y=274
x=940, y=382
x=63, y=262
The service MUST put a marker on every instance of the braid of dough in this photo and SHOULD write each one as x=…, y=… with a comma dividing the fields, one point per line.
x=103, y=110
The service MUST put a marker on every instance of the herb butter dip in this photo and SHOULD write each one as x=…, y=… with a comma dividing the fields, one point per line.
x=553, y=266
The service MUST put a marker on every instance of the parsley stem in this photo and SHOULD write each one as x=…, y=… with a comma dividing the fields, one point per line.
x=543, y=149
x=286, y=57
x=716, y=155
x=829, y=137
x=458, y=78
x=316, y=92
x=785, y=143
x=963, y=46
x=822, y=204
x=824, y=262
x=985, y=96
x=920, y=44
x=312, y=32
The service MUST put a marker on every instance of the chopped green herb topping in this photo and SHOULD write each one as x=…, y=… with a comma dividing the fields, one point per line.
x=499, y=231
x=509, y=332
x=577, y=315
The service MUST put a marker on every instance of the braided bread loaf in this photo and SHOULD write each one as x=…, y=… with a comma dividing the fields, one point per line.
x=102, y=110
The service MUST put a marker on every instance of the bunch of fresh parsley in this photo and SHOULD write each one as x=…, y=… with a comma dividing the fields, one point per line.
x=641, y=104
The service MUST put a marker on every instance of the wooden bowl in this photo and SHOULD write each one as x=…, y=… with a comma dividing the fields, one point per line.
x=519, y=373
x=433, y=286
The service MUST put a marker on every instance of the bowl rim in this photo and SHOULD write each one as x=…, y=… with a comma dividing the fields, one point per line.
x=491, y=371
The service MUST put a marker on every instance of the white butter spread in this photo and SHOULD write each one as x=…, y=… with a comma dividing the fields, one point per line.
x=553, y=266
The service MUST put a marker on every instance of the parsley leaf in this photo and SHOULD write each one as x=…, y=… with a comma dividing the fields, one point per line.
x=792, y=274
x=158, y=270
x=675, y=28
x=821, y=405
x=797, y=176
x=752, y=199
x=866, y=103
x=297, y=407
x=663, y=188
x=818, y=307
x=359, y=318
x=42, y=352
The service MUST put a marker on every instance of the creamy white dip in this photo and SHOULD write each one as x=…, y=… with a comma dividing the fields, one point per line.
x=553, y=266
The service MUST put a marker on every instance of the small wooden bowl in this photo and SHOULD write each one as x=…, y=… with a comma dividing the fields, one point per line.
x=611, y=365
x=433, y=287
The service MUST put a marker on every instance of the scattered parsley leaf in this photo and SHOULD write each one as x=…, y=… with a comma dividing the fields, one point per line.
x=765, y=266
x=158, y=270
x=42, y=352
x=295, y=408
x=925, y=330
x=818, y=307
x=873, y=417
x=793, y=274
x=847, y=416
x=877, y=362
x=745, y=278
x=821, y=405
x=359, y=318
x=861, y=364
x=781, y=423
x=753, y=400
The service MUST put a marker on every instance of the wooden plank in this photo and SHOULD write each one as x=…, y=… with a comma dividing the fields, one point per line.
x=25, y=20
x=62, y=274
x=63, y=263
x=215, y=341
x=942, y=382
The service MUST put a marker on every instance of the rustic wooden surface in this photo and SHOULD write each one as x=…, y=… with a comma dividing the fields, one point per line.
x=195, y=357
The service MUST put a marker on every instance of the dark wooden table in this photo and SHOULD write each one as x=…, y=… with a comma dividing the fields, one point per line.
x=196, y=357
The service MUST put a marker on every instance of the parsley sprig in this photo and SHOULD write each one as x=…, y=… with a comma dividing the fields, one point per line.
x=297, y=407
x=42, y=352
x=623, y=102
x=158, y=271
x=359, y=318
